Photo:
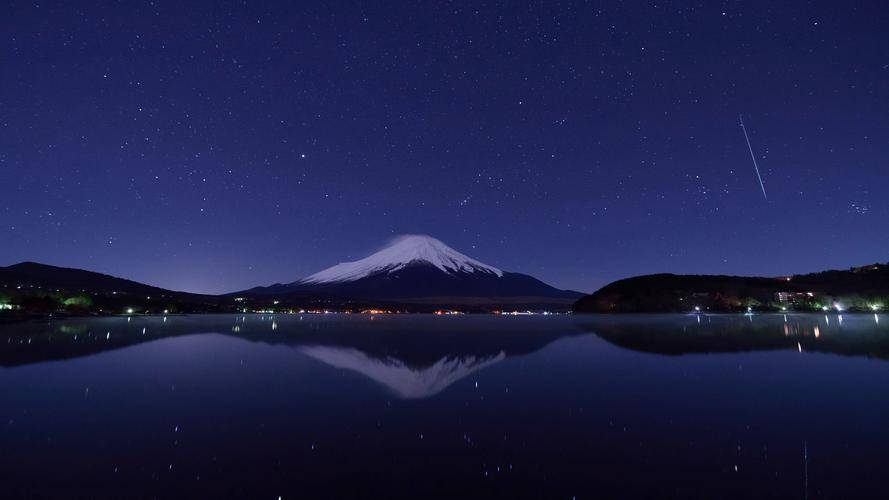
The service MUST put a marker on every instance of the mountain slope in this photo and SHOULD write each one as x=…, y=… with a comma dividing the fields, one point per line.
x=423, y=269
x=44, y=289
x=35, y=275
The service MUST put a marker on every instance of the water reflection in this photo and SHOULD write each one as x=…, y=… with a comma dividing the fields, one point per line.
x=415, y=338
x=401, y=379
x=411, y=356
x=853, y=335
x=421, y=406
x=419, y=356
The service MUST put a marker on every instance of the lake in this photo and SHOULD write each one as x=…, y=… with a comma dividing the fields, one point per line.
x=346, y=406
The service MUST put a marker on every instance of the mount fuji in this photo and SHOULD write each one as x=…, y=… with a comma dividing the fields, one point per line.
x=420, y=269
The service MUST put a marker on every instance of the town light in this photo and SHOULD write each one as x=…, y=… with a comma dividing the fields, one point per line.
x=129, y=310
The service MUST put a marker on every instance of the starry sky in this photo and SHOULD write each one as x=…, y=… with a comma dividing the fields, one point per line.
x=214, y=146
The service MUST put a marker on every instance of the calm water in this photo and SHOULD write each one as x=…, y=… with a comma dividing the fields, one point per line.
x=478, y=406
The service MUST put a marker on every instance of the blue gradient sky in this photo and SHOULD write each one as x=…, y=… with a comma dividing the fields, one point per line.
x=215, y=146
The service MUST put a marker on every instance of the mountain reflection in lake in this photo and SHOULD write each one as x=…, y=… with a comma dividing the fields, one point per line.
x=555, y=407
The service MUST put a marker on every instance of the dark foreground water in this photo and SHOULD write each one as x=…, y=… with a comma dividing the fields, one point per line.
x=421, y=406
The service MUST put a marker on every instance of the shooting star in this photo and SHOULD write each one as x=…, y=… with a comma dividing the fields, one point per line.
x=753, y=157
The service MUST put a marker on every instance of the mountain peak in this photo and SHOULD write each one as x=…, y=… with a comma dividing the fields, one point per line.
x=404, y=250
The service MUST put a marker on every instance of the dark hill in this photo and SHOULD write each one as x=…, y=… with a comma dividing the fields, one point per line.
x=857, y=289
x=35, y=275
x=41, y=289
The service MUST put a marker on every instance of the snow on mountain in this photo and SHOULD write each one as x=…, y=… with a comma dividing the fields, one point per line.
x=403, y=251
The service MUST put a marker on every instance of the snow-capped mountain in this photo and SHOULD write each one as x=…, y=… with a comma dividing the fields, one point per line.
x=422, y=269
x=404, y=251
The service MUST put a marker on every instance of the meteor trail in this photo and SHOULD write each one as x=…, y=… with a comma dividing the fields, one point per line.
x=753, y=157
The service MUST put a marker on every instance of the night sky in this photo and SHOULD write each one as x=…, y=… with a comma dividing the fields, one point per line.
x=213, y=146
